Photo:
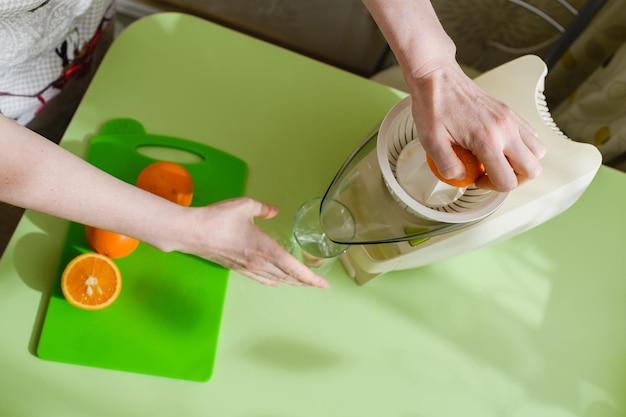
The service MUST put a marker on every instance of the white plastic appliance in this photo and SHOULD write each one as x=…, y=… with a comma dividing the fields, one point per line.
x=398, y=223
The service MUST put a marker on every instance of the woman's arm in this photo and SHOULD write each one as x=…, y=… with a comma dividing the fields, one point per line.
x=448, y=107
x=39, y=175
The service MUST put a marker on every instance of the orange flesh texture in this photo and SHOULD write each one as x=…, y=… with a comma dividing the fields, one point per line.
x=91, y=281
x=168, y=180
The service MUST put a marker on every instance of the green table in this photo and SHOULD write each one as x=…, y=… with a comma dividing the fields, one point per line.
x=532, y=326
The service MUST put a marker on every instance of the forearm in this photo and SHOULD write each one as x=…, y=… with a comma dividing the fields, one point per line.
x=448, y=107
x=414, y=34
x=39, y=175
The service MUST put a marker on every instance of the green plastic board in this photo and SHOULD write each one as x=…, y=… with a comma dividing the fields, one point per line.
x=166, y=320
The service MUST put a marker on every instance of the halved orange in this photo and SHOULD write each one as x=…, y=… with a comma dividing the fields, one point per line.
x=91, y=281
x=474, y=169
x=168, y=180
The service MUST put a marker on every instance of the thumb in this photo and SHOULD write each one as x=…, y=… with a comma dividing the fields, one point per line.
x=264, y=210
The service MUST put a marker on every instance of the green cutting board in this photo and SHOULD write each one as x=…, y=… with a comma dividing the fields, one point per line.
x=166, y=320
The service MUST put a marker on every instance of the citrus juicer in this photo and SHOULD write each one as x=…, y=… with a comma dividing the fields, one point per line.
x=405, y=218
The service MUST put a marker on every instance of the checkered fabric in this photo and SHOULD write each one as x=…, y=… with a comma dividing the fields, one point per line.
x=38, y=39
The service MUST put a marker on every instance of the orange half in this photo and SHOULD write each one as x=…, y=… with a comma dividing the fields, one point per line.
x=474, y=169
x=91, y=281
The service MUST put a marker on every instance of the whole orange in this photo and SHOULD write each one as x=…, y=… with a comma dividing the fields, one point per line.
x=111, y=244
x=474, y=169
x=168, y=180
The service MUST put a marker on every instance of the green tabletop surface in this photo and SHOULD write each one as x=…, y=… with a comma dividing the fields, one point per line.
x=529, y=327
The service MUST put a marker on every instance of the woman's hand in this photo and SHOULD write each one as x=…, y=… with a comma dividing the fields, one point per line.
x=39, y=175
x=225, y=233
x=450, y=108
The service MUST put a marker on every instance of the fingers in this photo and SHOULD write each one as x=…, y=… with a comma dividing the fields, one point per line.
x=533, y=143
x=272, y=281
x=516, y=163
x=448, y=164
x=292, y=272
x=510, y=153
x=255, y=254
x=285, y=268
x=524, y=157
x=259, y=278
x=291, y=267
x=449, y=108
x=506, y=168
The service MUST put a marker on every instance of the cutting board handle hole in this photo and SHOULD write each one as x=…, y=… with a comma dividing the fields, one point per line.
x=167, y=153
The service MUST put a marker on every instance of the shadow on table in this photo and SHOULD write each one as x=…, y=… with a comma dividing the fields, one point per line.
x=35, y=258
x=10, y=216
